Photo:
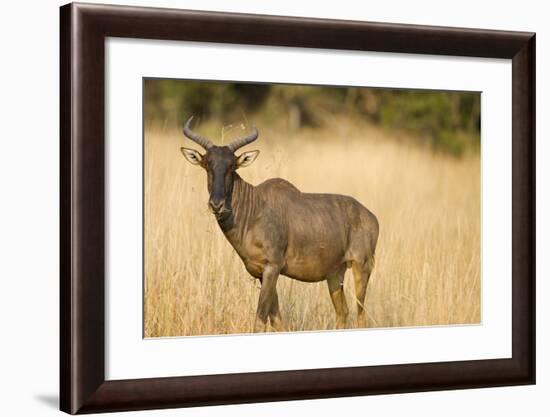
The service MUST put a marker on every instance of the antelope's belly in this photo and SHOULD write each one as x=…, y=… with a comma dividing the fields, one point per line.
x=312, y=263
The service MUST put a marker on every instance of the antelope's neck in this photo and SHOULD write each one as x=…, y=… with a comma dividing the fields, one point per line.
x=244, y=203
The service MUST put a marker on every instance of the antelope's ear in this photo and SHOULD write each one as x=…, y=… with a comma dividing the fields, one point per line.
x=192, y=156
x=246, y=158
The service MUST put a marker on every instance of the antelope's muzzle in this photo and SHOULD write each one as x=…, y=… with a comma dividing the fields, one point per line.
x=216, y=206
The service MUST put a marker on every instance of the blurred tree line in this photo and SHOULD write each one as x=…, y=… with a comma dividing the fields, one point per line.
x=447, y=121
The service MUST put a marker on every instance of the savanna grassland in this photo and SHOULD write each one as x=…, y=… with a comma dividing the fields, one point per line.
x=428, y=255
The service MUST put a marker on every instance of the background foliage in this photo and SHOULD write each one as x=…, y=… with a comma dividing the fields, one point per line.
x=443, y=120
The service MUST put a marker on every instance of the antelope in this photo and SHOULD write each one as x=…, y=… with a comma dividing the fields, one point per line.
x=278, y=230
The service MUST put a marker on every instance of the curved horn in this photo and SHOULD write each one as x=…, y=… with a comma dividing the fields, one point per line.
x=239, y=143
x=205, y=143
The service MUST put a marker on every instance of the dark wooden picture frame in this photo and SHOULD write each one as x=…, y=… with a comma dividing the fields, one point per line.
x=84, y=28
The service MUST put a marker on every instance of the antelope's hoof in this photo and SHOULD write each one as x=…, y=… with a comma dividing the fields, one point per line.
x=259, y=326
x=277, y=325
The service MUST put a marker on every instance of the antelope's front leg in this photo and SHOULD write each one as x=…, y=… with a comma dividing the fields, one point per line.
x=267, y=297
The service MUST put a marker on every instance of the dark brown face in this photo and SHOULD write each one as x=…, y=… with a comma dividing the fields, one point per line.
x=220, y=164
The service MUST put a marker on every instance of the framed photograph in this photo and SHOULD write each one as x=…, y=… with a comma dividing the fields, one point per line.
x=263, y=208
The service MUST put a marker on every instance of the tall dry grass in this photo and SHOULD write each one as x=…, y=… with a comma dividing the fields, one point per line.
x=428, y=256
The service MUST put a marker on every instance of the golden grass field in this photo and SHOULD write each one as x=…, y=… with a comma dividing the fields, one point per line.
x=428, y=255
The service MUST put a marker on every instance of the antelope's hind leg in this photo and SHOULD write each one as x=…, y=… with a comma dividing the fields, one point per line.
x=275, y=315
x=336, y=289
x=361, y=275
